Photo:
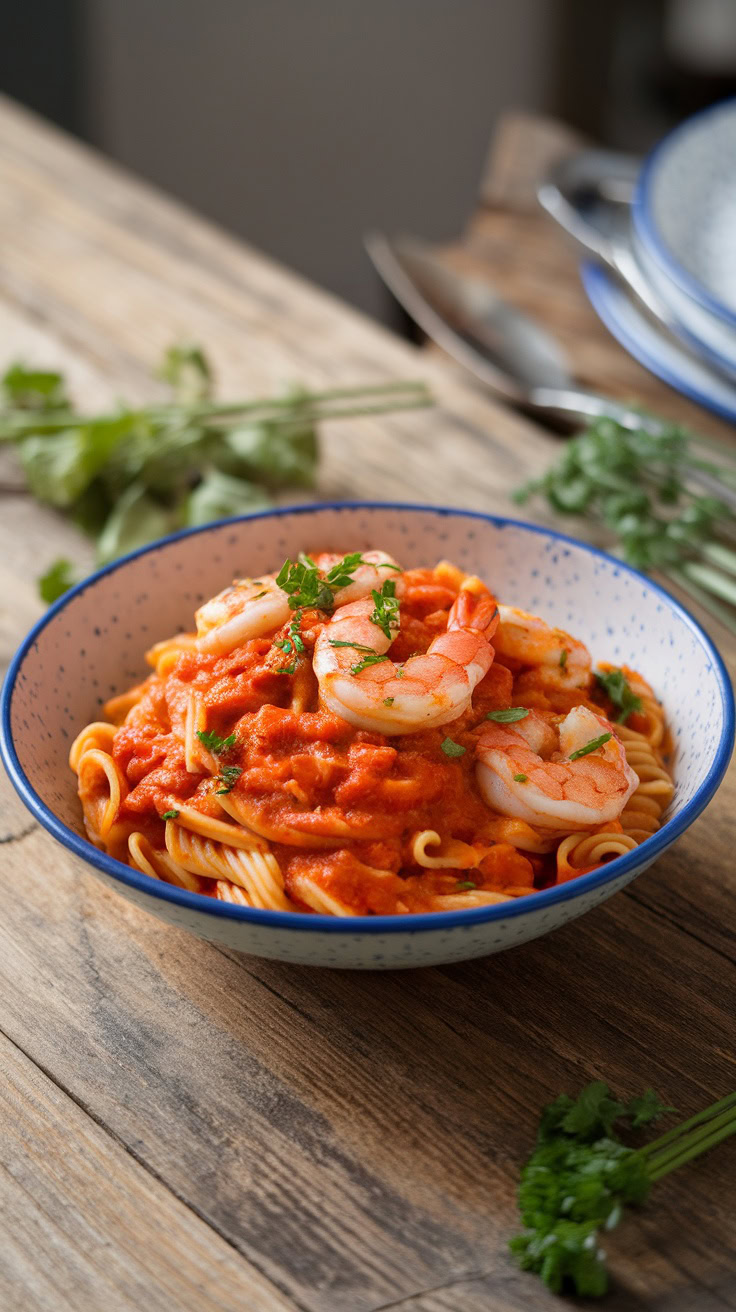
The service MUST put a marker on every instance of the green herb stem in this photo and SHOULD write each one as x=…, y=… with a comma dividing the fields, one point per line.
x=305, y=408
x=718, y=554
x=719, y=611
x=711, y=579
x=694, y=1146
x=700, y=1118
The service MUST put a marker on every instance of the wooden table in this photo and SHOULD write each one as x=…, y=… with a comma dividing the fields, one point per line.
x=185, y=1128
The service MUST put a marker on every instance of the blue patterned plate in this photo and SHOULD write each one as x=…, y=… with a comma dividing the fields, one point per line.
x=91, y=644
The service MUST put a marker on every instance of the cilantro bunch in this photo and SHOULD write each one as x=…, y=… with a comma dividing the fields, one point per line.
x=139, y=473
x=581, y=1176
x=661, y=494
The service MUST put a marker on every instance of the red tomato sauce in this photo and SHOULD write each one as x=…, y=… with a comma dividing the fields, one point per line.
x=356, y=798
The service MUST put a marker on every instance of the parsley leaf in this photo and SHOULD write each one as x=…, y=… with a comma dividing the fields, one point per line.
x=388, y=701
x=357, y=646
x=592, y=746
x=563, y=658
x=372, y=658
x=520, y=778
x=304, y=585
x=617, y=687
x=594, y=1112
x=214, y=743
x=386, y=612
x=229, y=776
x=56, y=581
x=307, y=587
x=463, y=885
x=295, y=634
x=451, y=748
x=170, y=815
x=508, y=716
x=646, y=1108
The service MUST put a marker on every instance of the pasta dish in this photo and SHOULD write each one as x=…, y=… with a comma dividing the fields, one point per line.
x=355, y=738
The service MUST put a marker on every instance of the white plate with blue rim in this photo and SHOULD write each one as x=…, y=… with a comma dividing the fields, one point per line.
x=90, y=644
x=660, y=355
x=684, y=212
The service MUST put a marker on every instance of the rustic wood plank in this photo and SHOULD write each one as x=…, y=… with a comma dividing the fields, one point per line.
x=354, y=1138
x=374, y=1123
x=87, y=1227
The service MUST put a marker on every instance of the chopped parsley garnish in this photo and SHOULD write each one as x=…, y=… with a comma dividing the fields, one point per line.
x=307, y=587
x=295, y=634
x=520, y=778
x=451, y=748
x=259, y=595
x=508, y=716
x=399, y=672
x=229, y=776
x=372, y=658
x=341, y=574
x=563, y=658
x=283, y=644
x=592, y=746
x=388, y=701
x=463, y=885
x=386, y=612
x=286, y=669
x=617, y=687
x=357, y=646
x=170, y=815
x=304, y=585
x=214, y=743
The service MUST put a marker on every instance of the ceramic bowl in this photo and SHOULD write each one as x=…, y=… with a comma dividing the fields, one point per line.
x=684, y=216
x=91, y=643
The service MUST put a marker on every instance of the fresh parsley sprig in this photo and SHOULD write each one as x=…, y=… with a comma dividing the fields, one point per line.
x=140, y=472
x=581, y=1176
x=660, y=494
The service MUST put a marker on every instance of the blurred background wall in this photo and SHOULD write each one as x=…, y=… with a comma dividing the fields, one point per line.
x=298, y=124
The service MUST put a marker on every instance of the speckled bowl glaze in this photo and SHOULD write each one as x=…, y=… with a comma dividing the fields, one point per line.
x=91, y=643
x=684, y=216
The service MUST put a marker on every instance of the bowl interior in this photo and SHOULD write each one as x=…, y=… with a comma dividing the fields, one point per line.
x=91, y=646
x=689, y=201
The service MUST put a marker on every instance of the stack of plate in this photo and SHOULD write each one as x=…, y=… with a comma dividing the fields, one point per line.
x=683, y=240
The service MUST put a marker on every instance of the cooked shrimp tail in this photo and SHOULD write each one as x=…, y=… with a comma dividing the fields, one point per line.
x=568, y=776
x=359, y=682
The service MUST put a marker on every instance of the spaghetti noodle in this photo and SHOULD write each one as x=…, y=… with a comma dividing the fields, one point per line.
x=351, y=738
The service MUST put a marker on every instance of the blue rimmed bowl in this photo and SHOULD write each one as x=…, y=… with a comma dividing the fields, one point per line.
x=90, y=645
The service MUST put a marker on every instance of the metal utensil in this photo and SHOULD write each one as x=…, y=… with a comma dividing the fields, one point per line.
x=589, y=195
x=513, y=355
x=518, y=360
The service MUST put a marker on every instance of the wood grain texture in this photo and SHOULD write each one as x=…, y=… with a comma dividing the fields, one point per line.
x=342, y=1143
x=87, y=1226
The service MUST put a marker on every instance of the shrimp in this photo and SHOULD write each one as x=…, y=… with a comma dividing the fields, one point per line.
x=426, y=690
x=524, y=770
x=251, y=607
x=528, y=639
